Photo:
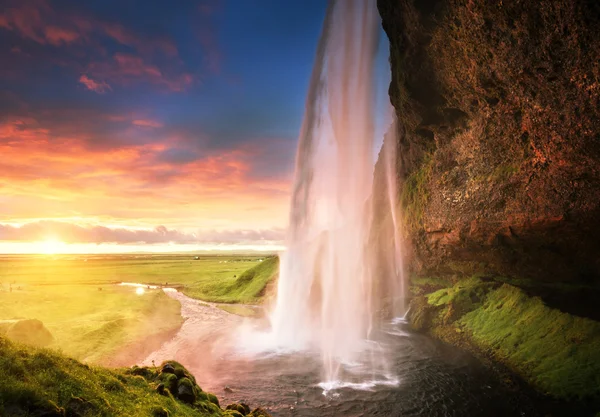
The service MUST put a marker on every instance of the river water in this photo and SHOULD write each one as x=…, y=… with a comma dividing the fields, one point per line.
x=427, y=378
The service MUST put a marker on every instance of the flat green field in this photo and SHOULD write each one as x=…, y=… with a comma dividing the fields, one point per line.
x=94, y=319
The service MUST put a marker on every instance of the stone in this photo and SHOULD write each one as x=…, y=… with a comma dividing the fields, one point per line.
x=168, y=369
x=185, y=391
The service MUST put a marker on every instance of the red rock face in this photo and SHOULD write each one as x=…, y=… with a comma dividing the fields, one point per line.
x=499, y=134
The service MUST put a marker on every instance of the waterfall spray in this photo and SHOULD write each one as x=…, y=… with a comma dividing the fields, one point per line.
x=326, y=287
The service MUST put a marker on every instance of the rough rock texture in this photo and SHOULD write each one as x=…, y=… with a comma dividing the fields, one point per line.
x=498, y=104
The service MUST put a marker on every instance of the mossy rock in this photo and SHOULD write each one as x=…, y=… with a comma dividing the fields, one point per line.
x=31, y=332
x=147, y=373
x=233, y=413
x=169, y=381
x=213, y=399
x=420, y=312
x=179, y=370
x=259, y=412
x=185, y=391
x=242, y=408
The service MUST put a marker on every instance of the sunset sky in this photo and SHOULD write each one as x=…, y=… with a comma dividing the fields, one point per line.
x=136, y=125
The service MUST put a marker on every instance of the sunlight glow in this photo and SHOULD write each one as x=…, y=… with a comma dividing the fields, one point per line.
x=52, y=246
x=140, y=291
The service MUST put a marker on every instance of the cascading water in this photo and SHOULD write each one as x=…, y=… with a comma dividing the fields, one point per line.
x=328, y=291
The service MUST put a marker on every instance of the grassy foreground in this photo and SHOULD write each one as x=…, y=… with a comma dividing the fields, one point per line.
x=35, y=382
x=558, y=353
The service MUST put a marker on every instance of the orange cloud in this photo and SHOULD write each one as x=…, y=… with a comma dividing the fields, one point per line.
x=45, y=174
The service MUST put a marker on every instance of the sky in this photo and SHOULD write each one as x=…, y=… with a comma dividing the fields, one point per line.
x=137, y=125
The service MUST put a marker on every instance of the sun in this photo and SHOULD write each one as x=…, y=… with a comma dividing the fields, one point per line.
x=52, y=246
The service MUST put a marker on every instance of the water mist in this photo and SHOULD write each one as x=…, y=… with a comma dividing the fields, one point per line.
x=328, y=291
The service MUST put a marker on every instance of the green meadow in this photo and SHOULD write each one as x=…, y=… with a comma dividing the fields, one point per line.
x=93, y=319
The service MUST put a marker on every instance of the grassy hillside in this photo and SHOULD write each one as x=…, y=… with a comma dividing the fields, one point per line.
x=557, y=352
x=248, y=287
x=89, y=324
x=36, y=382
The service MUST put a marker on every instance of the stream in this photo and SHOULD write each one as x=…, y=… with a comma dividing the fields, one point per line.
x=431, y=378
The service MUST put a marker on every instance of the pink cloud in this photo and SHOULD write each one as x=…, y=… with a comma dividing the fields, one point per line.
x=145, y=61
x=56, y=35
x=98, y=87
x=124, y=36
x=147, y=123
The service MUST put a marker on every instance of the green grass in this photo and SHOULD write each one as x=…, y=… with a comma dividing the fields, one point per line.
x=248, y=287
x=92, y=319
x=89, y=324
x=102, y=270
x=37, y=382
x=556, y=352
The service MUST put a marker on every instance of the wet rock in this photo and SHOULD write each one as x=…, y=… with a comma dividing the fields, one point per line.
x=228, y=390
x=185, y=391
x=168, y=369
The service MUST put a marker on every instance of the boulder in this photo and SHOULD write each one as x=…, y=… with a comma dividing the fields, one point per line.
x=31, y=332
x=168, y=369
x=185, y=391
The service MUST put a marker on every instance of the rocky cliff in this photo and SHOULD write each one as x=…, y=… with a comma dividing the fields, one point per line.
x=498, y=104
x=498, y=138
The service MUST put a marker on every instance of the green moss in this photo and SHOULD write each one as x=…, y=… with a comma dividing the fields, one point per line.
x=423, y=285
x=415, y=195
x=559, y=353
x=37, y=381
x=430, y=282
x=556, y=352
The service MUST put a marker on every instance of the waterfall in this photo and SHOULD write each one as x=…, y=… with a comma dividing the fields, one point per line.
x=326, y=288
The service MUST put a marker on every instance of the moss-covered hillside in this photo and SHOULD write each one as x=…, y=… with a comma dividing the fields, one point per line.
x=40, y=382
x=555, y=351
